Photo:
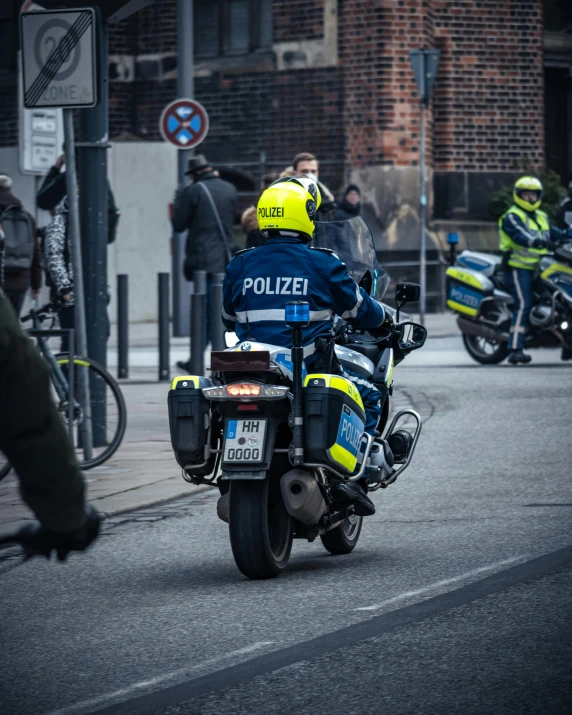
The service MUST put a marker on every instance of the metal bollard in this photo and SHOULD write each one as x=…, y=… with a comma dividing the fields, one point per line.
x=217, y=327
x=163, y=288
x=198, y=323
x=122, y=325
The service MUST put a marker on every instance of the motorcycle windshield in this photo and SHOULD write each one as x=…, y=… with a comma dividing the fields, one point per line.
x=352, y=242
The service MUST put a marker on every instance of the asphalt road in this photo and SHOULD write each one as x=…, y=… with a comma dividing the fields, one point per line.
x=457, y=599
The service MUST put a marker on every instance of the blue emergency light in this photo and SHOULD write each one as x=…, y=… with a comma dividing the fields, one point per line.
x=452, y=239
x=297, y=313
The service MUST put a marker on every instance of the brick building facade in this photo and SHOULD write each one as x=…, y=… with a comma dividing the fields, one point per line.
x=333, y=77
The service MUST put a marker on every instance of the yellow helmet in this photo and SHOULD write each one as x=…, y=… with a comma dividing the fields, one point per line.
x=289, y=204
x=527, y=183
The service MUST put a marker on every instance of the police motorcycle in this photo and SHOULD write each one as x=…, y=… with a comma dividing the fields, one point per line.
x=475, y=291
x=275, y=439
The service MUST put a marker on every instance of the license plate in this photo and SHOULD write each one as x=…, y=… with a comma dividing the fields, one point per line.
x=244, y=441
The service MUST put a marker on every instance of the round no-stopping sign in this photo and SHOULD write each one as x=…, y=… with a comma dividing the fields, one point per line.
x=184, y=123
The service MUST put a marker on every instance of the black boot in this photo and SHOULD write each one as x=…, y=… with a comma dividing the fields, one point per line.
x=518, y=356
x=185, y=367
x=566, y=354
x=352, y=492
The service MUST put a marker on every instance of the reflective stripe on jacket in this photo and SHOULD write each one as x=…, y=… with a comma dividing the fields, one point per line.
x=518, y=231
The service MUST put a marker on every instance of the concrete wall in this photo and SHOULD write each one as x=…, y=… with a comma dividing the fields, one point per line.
x=143, y=179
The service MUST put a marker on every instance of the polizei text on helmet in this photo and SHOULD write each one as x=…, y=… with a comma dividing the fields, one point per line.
x=271, y=212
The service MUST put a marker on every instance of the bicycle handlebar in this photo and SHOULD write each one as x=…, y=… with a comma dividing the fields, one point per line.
x=42, y=313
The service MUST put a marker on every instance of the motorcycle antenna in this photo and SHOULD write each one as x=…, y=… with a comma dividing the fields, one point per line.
x=246, y=299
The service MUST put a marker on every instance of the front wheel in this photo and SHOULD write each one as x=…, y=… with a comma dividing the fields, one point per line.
x=343, y=539
x=260, y=528
x=485, y=351
x=108, y=409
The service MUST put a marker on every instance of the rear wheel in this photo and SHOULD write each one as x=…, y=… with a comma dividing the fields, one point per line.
x=343, y=539
x=260, y=528
x=487, y=352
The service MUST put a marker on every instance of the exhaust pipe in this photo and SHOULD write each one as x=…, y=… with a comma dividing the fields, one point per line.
x=480, y=330
x=302, y=496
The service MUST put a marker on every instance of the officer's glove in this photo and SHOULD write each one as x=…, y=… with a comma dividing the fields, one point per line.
x=539, y=243
x=36, y=540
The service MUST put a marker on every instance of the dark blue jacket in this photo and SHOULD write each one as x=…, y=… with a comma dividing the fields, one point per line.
x=260, y=281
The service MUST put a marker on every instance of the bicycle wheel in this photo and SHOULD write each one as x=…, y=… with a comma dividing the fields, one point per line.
x=108, y=411
x=5, y=466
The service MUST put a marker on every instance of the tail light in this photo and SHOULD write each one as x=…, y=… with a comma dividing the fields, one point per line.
x=246, y=392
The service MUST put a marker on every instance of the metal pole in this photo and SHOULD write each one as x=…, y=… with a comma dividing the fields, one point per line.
x=217, y=327
x=71, y=383
x=422, y=205
x=94, y=217
x=198, y=323
x=185, y=89
x=122, y=325
x=79, y=298
x=163, y=290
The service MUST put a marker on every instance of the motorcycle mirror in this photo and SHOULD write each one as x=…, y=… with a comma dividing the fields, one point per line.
x=412, y=336
x=407, y=293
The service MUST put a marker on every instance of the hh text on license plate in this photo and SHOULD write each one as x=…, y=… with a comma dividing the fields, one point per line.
x=244, y=441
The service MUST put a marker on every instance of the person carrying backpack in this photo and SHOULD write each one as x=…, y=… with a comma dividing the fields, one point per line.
x=22, y=267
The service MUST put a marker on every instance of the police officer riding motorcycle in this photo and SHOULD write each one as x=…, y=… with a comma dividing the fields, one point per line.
x=525, y=237
x=257, y=286
x=291, y=414
x=523, y=298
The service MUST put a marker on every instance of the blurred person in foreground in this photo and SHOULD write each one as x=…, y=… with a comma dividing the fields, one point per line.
x=206, y=209
x=33, y=437
x=22, y=256
x=306, y=164
x=525, y=237
x=350, y=204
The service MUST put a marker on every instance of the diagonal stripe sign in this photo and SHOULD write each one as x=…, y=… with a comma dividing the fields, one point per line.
x=58, y=53
x=58, y=57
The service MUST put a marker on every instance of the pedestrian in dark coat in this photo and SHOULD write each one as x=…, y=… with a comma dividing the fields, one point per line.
x=206, y=248
x=210, y=244
x=350, y=204
x=54, y=188
x=18, y=282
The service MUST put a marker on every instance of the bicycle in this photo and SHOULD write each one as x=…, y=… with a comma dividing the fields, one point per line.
x=108, y=414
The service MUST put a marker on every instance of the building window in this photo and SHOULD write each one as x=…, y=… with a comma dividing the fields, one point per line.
x=232, y=27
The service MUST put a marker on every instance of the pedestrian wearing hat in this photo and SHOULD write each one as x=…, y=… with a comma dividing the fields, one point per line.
x=350, y=204
x=206, y=209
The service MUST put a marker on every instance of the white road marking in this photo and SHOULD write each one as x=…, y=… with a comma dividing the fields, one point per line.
x=118, y=695
x=439, y=584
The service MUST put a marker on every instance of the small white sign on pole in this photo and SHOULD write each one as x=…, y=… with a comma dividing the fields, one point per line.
x=41, y=138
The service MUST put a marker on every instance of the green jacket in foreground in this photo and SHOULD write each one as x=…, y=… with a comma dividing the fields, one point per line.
x=32, y=434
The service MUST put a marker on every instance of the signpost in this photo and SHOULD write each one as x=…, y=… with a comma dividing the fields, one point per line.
x=58, y=58
x=58, y=70
x=424, y=64
x=183, y=123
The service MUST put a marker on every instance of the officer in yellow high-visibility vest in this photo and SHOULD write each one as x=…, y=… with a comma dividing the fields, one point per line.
x=525, y=234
